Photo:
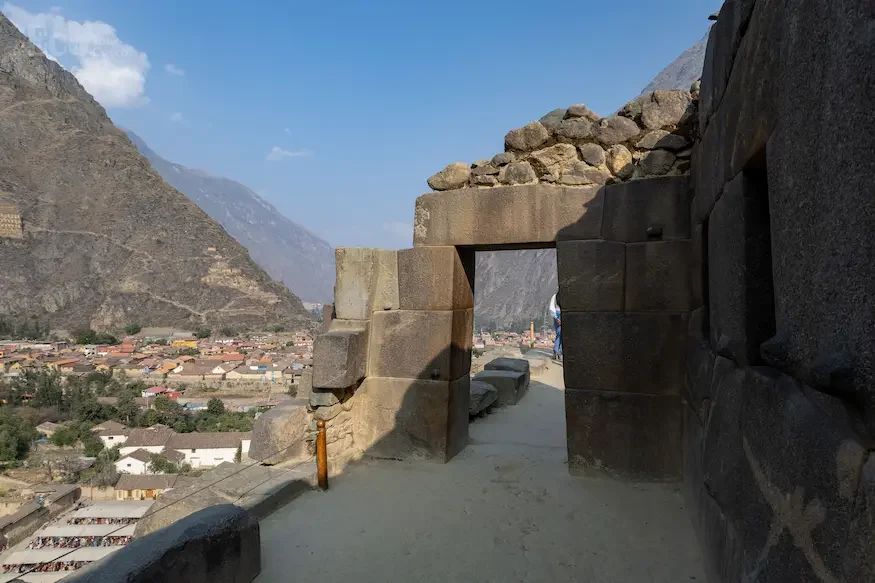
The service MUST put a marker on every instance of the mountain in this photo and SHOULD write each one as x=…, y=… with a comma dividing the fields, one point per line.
x=512, y=288
x=90, y=235
x=287, y=251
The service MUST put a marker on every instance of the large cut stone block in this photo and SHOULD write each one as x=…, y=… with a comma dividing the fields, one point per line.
x=515, y=364
x=626, y=436
x=742, y=302
x=648, y=209
x=775, y=464
x=658, y=276
x=700, y=367
x=511, y=385
x=412, y=419
x=279, y=434
x=859, y=559
x=435, y=278
x=366, y=281
x=340, y=357
x=483, y=395
x=637, y=353
x=591, y=275
x=529, y=214
x=434, y=345
x=698, y=266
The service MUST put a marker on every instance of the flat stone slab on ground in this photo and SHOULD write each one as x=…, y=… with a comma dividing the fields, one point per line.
x=511, y=385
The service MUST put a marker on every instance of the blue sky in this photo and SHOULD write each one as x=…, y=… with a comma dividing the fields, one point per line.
x=337, y=112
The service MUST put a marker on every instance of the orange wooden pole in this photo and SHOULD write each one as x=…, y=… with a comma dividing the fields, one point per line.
x=322, y=455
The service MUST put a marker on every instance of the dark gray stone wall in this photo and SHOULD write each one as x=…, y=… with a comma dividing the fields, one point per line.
x=780, y=368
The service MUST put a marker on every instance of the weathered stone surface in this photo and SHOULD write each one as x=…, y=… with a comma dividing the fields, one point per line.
x=401, y=418
x=506, y=215
x=700, y=367
x=511, y=385
x=577, y=128
x=483, y=180
x=215, y=544
x=324, y=397
x=484, y=169
x=278, y=435
x=580, y=173
x=517, y=173
x=591, y=275
x=305, y=385
x=662, y=139
x=742, y=302
x=615, y=129
x=624, y=436
x=543, y=160
x=859, y=556
x=698, y=265
x=667, y=108
x=433, y=345
x=657, y=162
x=455, y=175
x=634, y=207
x=514, y=364
x=483, y=395
x=503, y=159
x=434, y=278
x=340, y=358
x=620, y=161
x=592, y=154
x=776, y=465
x=366, y=281
x=580, y=110
x=634, y=108
x=658, y=276
x=527, y=138
x=638, y=353
x=552, y=120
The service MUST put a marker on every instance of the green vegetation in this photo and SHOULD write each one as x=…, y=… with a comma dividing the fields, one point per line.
x=89, y=336
x=277, y=328
x=203, y=333
x=30, y=329
x=215, y=406
x=188, y=352
x=103, y=472
x=16, y=435
x=159, y=464
x=227, y=331
x=132, y=329
x=238, y=457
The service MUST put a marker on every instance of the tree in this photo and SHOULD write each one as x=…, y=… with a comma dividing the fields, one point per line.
x=89, y=336
x=277, y=328
x=158, y=464
x=227, y=331
x=93, y=446
x=188, y=352
x=15, y=437
x=64, y=437
x=132, y=329
x=203, y=333
x=128, y=410
x=215, y=406
x=238, y=457
x=165, y=404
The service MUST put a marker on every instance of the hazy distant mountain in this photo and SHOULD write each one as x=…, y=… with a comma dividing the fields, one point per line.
x=513, y=288
x=287, y=251
x=91, y=235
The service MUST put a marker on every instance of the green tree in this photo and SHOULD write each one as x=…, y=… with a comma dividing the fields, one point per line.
x=215, y=406
x=132, y=329
x=227, y=331
x=203, y=333
x=163, y=403
x=277, y=328
x=128, y=410
x=64, y=437
x=93, y=446
x=15, y=436
x=150, y=418
x=238, y=457
x=188, y=352
x=159, y=464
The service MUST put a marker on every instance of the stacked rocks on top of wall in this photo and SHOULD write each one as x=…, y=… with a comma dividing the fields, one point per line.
x=651, y=136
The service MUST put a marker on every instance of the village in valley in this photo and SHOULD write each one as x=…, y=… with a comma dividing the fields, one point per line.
x=99, y=426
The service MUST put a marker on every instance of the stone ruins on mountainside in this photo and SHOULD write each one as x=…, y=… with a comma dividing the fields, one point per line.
x=716, y=266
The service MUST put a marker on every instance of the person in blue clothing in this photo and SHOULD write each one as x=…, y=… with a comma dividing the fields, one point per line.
x=556, y=312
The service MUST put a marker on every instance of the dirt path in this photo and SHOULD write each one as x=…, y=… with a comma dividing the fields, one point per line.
x=504, y=510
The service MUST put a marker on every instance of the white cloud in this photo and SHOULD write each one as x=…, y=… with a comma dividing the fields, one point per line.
x=176, y=117
x=174, y=70
x=399, y=229
x=112, y=71
x=277, y=154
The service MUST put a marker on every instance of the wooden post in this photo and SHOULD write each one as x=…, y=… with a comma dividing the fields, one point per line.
x=322, y=455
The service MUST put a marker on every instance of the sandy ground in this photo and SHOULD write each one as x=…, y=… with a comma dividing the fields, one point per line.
x=503, y=510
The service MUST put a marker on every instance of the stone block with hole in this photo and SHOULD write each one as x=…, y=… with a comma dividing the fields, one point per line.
x=510, y=384
x=637, y=353
x=340, y=357
x=658, y=276
x=591, y=275
x=421, y=344
x=649, y=209
x=626, y=436
x=435, y=278
x=398, y=418
x=366, y=281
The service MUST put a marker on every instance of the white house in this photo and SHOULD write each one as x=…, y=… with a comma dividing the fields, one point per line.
x=136, y=462
x=111, y=433
x=152, y=439
x=209, y=449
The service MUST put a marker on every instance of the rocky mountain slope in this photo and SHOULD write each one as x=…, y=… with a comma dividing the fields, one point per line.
x=513, y=288
x=287, y=251
x=105, y=241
